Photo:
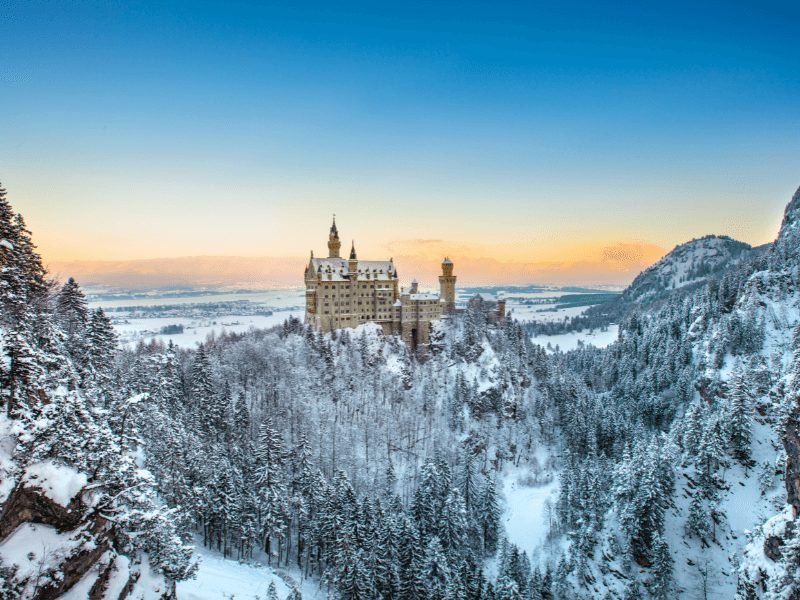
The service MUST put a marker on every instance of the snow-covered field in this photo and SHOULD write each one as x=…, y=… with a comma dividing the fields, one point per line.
x=571, y=340
x=546, y=313
x=196, y=331
x=139, y=317
x=274, y=299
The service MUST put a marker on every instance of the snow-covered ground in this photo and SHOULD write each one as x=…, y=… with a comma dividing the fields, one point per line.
x=195, y=331
x=545, y=313
x=526, y=515
x=219, y=578
x=141, y=316
x=709, y=571
x=277, y=298
x=570, y=341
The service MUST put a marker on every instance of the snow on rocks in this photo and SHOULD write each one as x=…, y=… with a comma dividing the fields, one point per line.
x=60, y=483
x=35, y=548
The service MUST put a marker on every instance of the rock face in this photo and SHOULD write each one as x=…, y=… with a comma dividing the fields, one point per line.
x=89, y=541
x=773, y=547
x=791, y=442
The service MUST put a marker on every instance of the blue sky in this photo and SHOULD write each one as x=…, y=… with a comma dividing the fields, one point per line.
x=511, y=127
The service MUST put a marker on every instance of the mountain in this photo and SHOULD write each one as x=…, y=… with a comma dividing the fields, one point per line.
x=685, y=269
x=689, y=265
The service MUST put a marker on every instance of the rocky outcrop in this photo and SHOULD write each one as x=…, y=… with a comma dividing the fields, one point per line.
x=773, y=547
x=30, y=505
x=791, y=442
x=93, y=554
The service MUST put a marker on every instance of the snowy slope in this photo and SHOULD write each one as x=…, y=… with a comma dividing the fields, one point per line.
x=218, y=577
x=688, y=264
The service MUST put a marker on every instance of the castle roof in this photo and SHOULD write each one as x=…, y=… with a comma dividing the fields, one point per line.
x=425, y=296
x=337, y=268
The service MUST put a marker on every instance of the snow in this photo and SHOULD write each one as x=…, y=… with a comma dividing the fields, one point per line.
x=544, y=313
x=425, y=296
x=525, y=517
x=81, y=590
x=275, y=299
x=60, y=483
x=7, y=466
x=687, y=264
x=196, y=331
x=571, y=340
x=120, y=573
x=34, y=548
x=6, y=244
x=220, y=577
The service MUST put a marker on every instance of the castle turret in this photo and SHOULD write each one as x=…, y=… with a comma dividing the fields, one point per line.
x=352, y=263
x=334, y=245
x=447, y=286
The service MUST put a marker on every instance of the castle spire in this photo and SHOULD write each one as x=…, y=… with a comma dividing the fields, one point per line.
x=334, y=245
x=352, y=264
x=334, y=231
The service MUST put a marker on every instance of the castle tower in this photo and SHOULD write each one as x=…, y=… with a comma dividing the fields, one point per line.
x=447, y=286
x=333, y=241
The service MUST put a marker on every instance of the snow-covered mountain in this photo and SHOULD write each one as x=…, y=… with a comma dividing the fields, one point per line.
x=689, y=265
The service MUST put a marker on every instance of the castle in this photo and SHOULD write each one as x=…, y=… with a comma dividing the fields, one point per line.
x=346, y=293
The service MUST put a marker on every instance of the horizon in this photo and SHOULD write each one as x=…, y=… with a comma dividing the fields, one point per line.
x=271, y=272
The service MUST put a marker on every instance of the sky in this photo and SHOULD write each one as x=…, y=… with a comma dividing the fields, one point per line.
x=530, y=141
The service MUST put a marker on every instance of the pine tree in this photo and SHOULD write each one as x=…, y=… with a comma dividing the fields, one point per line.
x=270, y=481
x=413, y=582
x=73, y=317
x=453, y=523
x=507, y=589
x=436, y=571
x=169, y=392
x=240, y=424
x=294, y=594
x=201, y=389
x=387, y=560
x=738, y=418
x=467, y=481
x=698, y=522
x=661, y=583
x=390, y=481
x=102, y=345
x=489, y=519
